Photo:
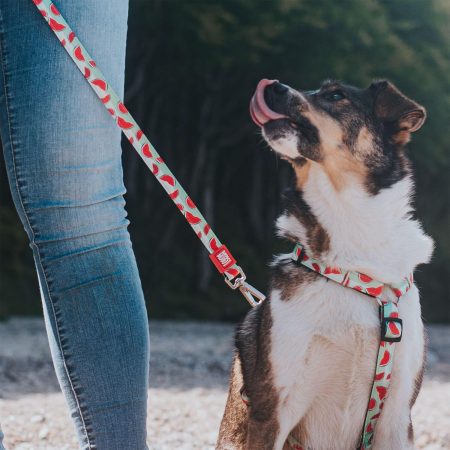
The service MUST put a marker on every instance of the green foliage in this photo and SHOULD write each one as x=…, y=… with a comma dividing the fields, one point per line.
x=191, y=69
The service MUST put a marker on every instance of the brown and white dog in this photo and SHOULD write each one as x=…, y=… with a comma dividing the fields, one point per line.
x=306, y=355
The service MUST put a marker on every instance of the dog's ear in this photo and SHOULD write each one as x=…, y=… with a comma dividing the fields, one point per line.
x=400, y=114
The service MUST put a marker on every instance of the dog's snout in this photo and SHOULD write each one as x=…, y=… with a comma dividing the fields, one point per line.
x=275, y=91
x=276, y=96
x=279, y=88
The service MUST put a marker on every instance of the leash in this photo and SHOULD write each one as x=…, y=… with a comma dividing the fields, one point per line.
x=219, y=254
x=221, y=257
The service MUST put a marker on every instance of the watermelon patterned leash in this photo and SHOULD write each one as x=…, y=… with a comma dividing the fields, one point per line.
x=219, y=254
x=391, y=332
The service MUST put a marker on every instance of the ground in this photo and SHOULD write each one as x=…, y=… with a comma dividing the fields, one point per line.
x=189, y=373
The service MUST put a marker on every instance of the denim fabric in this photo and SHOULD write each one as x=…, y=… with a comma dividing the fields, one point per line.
x=63, y=159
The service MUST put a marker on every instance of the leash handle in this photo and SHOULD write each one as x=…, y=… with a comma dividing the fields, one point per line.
x=219, y=254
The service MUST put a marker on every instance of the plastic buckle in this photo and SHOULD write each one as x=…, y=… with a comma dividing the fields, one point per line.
x=391, y=329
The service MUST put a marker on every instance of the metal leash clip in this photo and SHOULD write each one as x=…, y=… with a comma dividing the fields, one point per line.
x=251, y=294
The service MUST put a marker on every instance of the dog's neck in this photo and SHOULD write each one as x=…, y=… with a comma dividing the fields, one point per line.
x=353, y=230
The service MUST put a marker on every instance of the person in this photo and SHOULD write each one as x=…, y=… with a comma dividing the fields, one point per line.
x=63, y=160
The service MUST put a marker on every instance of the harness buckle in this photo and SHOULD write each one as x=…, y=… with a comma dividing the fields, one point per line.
x=391, y=329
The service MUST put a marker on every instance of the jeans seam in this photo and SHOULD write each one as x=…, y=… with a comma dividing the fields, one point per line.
x=32, y=240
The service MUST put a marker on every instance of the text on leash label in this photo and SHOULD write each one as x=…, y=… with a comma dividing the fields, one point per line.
x=222, y=259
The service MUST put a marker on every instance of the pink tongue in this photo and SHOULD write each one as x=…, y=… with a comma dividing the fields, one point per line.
x=259, y=110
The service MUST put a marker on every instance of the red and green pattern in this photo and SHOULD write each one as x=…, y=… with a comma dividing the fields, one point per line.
x=391, y=332
x=355, y=280
x=383, y=372
x=219, y=254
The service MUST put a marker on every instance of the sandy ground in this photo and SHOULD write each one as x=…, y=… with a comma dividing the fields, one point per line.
x=189, y=372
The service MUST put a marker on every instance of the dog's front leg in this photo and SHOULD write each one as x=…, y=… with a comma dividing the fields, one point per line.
x=263, y=430
x=234, y=426
x=249, y=427
x=270, y=425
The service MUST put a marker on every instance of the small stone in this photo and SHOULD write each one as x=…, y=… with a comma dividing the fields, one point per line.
x=37, y=418
x=43, y=433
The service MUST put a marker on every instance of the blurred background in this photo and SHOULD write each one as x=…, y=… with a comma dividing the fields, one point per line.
x=192, y=68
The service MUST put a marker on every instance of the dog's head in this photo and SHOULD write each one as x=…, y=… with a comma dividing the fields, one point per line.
x=352, y=133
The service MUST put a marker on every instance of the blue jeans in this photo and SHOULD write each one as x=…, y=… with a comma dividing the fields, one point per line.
x=63, y=159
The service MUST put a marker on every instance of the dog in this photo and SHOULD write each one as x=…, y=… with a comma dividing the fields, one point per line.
x=305, y=357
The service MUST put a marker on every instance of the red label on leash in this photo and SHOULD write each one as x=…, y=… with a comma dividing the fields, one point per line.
x=222, y=259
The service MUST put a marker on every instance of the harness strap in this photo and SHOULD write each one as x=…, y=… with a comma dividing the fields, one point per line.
x=391, y=332
x=352, y=279
x=221, y=257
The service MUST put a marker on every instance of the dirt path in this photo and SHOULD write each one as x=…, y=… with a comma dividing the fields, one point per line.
x=189, y=372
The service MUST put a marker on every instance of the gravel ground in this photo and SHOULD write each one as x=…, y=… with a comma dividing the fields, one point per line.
x=189, y=373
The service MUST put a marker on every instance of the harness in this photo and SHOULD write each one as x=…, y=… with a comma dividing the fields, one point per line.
x=221, y=257
x=391, y=332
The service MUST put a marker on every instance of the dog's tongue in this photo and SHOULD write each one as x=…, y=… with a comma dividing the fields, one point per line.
x=259, y=110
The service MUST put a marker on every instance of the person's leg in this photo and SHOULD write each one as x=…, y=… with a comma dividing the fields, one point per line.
x=63, y=159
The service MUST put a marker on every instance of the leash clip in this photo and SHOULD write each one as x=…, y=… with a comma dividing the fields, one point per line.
x=250, y=293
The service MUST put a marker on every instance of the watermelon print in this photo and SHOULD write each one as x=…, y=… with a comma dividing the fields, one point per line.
x=78, y=53
x=129, y=127
x=56, y=26
x=146, y=150
x=100, y=83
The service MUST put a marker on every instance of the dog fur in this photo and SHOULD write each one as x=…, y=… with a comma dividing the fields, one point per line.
x=306, y=355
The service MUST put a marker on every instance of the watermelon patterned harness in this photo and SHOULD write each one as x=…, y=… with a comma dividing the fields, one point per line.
x=391, y=324
x=391, y=332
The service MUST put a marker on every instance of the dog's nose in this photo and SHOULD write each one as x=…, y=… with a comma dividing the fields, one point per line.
x=279, y=88
x=275, y=93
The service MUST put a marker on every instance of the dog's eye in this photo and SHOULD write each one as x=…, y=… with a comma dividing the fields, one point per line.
x=335, y=96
